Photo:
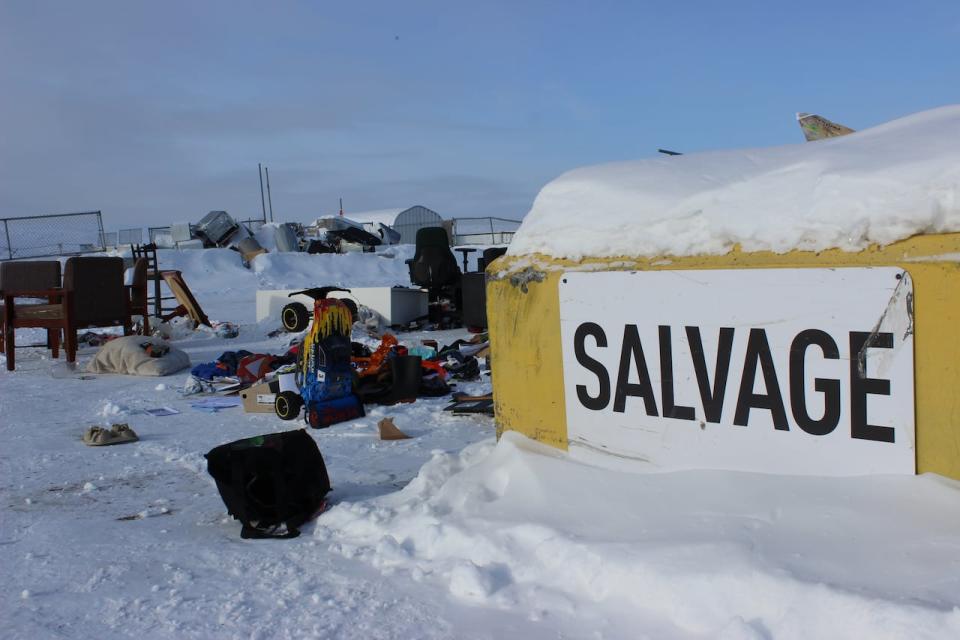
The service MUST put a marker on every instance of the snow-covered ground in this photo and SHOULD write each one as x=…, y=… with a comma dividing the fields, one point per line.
x=446, y=535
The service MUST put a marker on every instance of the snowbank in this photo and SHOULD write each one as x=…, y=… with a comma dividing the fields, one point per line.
x=874, y=186
x=226, y=289
x=518, y=526
x=211, y=269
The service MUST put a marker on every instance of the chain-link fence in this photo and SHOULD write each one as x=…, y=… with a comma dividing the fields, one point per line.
x=51, y=235
x=484, y=230
x=130, y=236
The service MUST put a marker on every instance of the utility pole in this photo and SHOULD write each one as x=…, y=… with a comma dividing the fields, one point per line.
x=263, y=206
x=269, y=199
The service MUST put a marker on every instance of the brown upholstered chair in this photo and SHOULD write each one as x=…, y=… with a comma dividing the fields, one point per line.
x=138, y=293
x=38, y=275
x=93, y=295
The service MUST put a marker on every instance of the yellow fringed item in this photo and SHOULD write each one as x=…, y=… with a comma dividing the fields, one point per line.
x=334, y=318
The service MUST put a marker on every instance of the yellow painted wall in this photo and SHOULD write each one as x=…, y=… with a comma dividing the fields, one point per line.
x=524, y=323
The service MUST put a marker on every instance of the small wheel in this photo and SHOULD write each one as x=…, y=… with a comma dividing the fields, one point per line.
x=294, y=317
x=287, y=405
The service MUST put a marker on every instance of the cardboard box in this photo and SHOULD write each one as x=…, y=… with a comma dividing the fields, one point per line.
x=259, y=397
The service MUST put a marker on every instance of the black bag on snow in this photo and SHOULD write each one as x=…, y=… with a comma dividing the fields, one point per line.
x=271, y=483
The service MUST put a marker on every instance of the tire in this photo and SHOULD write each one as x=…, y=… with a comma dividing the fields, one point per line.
x=294, y=317
x=287, y=405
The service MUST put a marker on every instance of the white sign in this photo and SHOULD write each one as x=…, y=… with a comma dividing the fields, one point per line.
x=794, y=371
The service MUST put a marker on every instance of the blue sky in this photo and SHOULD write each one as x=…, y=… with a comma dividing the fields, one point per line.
x=160, y=112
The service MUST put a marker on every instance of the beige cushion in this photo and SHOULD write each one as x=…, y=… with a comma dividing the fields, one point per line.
x=125, y=355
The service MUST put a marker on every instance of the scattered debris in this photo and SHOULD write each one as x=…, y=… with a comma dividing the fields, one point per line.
x=389, y=431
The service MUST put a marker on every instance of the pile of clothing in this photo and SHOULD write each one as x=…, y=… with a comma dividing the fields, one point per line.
x=394, y=373
x=236, y=368
x=388, y=374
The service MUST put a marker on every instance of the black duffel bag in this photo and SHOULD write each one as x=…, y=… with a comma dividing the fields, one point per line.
x=271, y=483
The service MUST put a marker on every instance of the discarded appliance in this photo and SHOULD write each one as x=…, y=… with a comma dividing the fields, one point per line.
x=336, y=233
x=387, y=234
x=249, y=248
x=216, y=227
x=286, y=238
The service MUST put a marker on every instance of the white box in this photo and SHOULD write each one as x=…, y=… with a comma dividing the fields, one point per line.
x=397, y=305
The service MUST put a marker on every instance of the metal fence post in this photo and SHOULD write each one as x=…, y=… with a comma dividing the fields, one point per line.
x=6, y=230
x=103, y=240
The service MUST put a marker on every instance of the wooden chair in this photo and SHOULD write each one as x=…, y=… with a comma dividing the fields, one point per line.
x=149, y=251
x=19, y=277
x=188, y=304
x=139, y=302
x=92, y=295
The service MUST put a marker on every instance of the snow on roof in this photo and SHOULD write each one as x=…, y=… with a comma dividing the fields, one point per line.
x=877, y=185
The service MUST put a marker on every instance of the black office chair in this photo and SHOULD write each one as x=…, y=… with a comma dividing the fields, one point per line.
x=433, y=264
x=434, y=268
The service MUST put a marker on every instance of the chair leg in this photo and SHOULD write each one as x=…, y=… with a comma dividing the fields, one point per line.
x=146, y=322
x=53, y=337
x=70, y=335
x=8, y=345
x=127, y=326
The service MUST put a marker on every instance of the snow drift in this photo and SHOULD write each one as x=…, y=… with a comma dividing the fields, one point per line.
x=878, y=185
x=517, y=525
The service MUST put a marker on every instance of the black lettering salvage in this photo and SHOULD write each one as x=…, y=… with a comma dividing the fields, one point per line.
x=633, y=379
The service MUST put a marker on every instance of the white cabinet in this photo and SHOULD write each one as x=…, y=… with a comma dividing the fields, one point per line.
x=397, y=305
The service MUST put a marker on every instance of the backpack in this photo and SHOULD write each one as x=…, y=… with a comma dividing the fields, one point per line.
x=272, y=483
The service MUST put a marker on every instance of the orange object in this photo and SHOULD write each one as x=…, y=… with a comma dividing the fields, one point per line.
x=372, y=365
x=434, y=366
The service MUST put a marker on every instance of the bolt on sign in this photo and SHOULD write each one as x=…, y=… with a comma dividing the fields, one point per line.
x=795, y=371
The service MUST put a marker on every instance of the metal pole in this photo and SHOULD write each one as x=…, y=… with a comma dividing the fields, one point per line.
x=492, y=238
x=269, y=199
x=263, y=206
x=103, y=239
x=6, y=229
